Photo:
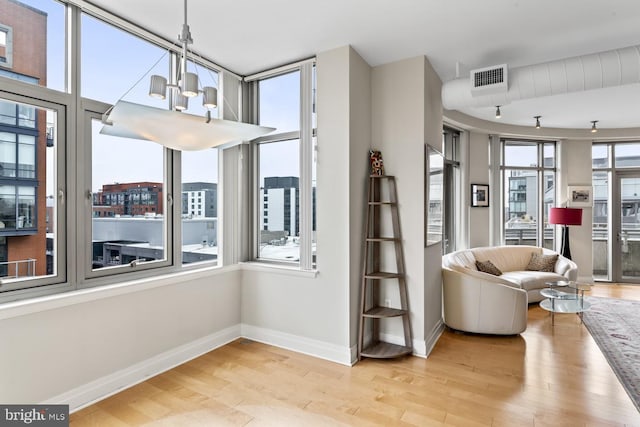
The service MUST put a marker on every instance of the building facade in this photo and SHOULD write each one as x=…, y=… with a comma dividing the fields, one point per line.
x=281, y=201
x=23, y=145
x=131, y=199
x=200, y=200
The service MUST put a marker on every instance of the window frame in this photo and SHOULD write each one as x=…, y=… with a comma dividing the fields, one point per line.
x=541, y=172
x=29, y=287
x=307, y=147
x=72, y=223
x=8, y=46
x=85, y=212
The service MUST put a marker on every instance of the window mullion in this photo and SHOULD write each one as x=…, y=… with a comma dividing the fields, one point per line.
x=306, y=165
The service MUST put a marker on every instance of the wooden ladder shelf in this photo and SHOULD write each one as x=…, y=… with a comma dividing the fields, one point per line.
x=372, y=312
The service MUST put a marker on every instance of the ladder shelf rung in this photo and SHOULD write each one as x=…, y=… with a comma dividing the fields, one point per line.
x=384, y=312
x=378, y=275
x=385, y=350
x=382, y=239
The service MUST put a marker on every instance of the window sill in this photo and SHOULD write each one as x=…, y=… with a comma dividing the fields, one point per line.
x=278, y=269
x=50, y=302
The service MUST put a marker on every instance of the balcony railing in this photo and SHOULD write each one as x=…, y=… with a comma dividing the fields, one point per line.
x=18, y=269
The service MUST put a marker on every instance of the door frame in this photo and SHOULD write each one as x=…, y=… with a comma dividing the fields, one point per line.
x=615, y=213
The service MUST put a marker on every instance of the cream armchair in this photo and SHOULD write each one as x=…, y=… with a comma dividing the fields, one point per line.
x=479, y=302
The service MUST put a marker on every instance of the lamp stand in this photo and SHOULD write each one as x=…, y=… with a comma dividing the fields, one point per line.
x=565, y=249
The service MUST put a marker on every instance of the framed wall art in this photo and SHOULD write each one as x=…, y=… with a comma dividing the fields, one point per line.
x=580, y=196
x=479, y=195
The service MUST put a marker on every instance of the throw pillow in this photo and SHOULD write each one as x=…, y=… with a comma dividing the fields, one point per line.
x=541, y=262
x=488, y=267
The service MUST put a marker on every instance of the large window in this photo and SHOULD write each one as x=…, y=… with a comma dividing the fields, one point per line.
x=31, y=187
x=199, y=201
x=125, y=197
x=285, y=169
x=128, y=210
x=616, y=211
x=528, y=183
x=451, y=185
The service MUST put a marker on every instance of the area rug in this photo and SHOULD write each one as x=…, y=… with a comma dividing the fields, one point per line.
x=614, y=324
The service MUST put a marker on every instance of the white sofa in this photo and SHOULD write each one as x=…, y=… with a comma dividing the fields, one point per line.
x=479, y=302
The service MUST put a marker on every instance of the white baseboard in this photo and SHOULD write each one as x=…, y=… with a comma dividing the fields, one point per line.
x=433, y=337
x=315, y=348
x=106, y=386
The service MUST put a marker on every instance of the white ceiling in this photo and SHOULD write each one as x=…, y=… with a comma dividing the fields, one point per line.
x=247, y=36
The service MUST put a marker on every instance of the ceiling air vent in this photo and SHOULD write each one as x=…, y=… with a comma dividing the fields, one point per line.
x=489, y=80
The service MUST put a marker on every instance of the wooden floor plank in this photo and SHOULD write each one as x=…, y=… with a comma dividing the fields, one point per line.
x=551, y=375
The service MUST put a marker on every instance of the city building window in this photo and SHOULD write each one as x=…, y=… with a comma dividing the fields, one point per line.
x=285, y=169
x=528, y=173
x=6, y=57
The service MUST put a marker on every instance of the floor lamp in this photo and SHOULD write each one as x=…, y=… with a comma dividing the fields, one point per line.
x=565, y=217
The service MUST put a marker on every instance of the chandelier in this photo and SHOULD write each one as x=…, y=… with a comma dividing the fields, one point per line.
x=187, y=85
x=171, y=127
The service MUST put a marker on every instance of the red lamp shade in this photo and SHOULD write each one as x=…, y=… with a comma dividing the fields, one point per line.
x=565, y=216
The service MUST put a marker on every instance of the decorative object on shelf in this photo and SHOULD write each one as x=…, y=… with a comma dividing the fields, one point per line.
x=565, y=217
x=479, y=195
x=375, y=159
x=169, y=127
x=580, y=196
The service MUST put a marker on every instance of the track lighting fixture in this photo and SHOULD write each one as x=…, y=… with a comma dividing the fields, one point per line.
x=594, y=129
x=498, y=113
x=537, y=121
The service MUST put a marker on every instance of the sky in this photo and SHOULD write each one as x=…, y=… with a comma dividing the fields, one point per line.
x=117, y=65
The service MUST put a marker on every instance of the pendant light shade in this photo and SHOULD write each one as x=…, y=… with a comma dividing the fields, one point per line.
x=158, y=87
x=209, y=97
x=176, y=130
x=189, y=85
x=181, y=102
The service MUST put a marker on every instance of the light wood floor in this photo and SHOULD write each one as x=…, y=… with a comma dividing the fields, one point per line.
x=548, y=376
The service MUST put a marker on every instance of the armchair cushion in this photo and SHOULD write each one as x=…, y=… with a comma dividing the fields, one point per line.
x=488, y=267
x=540, y=262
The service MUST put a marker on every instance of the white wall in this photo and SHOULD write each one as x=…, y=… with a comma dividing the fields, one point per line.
x=77, y=353
x=478, y=169
x=433, y=325
x=407, y=113
x=575, y=169
x=296, y=308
